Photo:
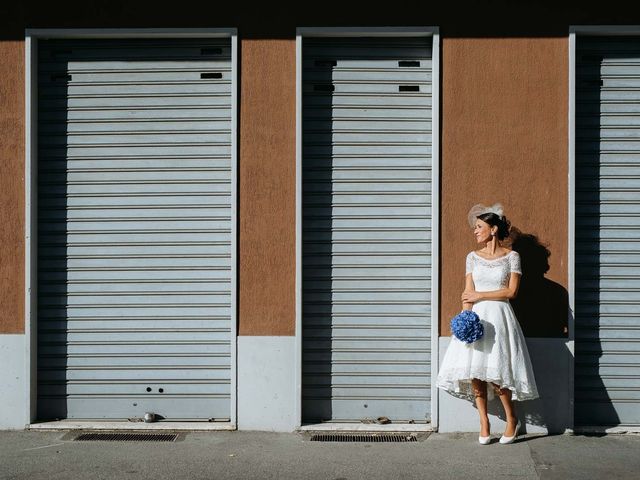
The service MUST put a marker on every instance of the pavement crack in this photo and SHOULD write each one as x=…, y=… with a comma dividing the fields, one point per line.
x=539, y=465
x=43, y=446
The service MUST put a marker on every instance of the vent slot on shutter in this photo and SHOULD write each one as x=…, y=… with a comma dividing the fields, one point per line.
x=324, y=87
x=211, y=51
x=60, y=53
x=592, y=58
x=60, y=77
x=326, y=63
x=408, y=63
x=409, y=88
x=211, y=75
x=593, y=83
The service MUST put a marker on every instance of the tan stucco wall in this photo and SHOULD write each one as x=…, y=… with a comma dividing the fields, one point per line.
x=11, y=186
x=267, y=187
x=504, y=138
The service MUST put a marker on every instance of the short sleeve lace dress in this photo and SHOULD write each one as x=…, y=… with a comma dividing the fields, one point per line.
x=501, y=355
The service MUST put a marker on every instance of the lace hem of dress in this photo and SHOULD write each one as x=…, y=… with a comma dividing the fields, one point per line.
x=452, y=380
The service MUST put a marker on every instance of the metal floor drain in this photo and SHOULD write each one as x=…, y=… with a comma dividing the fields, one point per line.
x=364, y=437
x=126, y=437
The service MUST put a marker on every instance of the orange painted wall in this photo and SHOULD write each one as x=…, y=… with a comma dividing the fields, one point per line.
x=12, y=186
x=267, y=187
x=504, y=139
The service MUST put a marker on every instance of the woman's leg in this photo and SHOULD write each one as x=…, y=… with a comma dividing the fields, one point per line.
x=509, y=410
x=480, y=392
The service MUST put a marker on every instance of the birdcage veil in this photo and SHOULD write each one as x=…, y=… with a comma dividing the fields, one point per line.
x=479, y=209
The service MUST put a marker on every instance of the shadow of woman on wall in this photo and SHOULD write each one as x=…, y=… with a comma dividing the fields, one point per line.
x=542, y=304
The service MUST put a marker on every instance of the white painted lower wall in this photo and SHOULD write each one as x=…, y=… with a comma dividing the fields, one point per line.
x=13, y=383
x=267, y=388
x=267, y=383
x=551, y=413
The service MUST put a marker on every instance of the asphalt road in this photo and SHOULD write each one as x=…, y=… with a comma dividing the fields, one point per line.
x=257, y=455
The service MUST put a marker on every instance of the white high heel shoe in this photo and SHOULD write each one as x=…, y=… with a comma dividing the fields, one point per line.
x=484, y=440
x=505, y=440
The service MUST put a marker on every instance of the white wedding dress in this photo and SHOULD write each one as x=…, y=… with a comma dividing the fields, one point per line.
x=501, y=355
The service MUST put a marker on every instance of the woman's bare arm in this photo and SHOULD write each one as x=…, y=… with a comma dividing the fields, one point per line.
x=468, y=287
x=507, y=293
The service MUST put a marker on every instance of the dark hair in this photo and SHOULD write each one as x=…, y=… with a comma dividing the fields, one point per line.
x=494, y=220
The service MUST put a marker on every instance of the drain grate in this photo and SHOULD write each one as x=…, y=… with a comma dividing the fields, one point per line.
x=126, y=437
x=367, y=437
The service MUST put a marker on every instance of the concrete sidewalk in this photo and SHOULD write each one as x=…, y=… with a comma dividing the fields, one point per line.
x=247, y=455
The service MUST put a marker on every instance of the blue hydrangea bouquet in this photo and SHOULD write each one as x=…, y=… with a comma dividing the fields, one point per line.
x=466, y=326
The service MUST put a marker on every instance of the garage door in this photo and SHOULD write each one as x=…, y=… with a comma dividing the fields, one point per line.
x=607, y=316
x=135, y=228
x=366, y=229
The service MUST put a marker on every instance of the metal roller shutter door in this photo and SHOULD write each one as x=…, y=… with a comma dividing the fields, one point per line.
x=607, y=317
x=135, y=230
x=366, y=229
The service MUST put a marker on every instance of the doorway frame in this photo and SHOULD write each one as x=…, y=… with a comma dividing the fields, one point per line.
x=326, y=32
x=32, y=36
x=583, y=31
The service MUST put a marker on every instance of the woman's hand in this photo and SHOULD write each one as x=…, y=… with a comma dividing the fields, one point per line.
x=470, y=296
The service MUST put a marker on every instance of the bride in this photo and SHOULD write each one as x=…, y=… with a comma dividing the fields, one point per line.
x=500, y=357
